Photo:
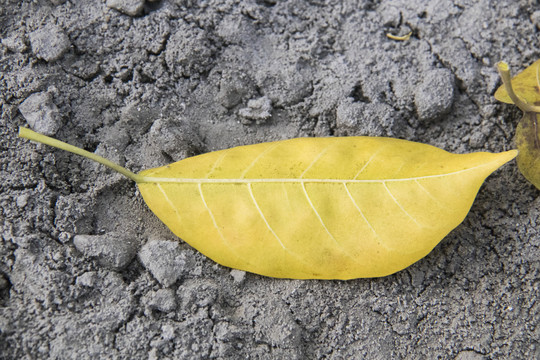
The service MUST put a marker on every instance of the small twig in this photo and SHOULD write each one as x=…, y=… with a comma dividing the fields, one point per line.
x=399, y=38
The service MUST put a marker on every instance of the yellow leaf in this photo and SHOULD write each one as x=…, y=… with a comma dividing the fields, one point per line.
x=527, y=133
x=316, y=208
x=526, y=85
x=528, y=142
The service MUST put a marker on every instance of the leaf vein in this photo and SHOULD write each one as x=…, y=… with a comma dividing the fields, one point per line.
x=264, y=218
x=169, y=201
x=343, y=250
x=429, y=194
x=315, y=160
x=399, y=205
x=150, y=179
x=359, y=210
x=227, y=244
x=367, y=163
x=250, y=166
x=210, y=213
x=216, y=163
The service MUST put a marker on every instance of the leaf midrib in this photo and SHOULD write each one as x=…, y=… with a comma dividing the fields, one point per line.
x=151, y=179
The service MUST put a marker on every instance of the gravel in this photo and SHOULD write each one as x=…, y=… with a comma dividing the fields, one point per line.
x=164, y=259
x=128, y=7
x=49, y=42
x=435, y=96
x=41, y=113
x=111, y=250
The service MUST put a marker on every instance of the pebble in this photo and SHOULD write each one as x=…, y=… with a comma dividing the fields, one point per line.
x=128, y=7
x=112, y=250
x=470, y=355
x=88, y=279
x=164, y=259
x=258, y=110
x=197, y=294
x=168, y=332
x=535, y=18
x=163, y=300
x=434, y=97
x=15, y=43
x=188, y=52
x=238, y=275
x=49, y=42
x=233, y=88
x=175, y=138
x=138, y=118
x=359, y=118
x=41, y=113
x=22, y=200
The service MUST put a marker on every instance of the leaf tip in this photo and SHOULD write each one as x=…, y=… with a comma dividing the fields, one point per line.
x=507, y=156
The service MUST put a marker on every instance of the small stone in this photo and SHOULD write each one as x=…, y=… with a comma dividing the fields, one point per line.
x=258, y=110
x=359, y=118
x=88, y=279
x=49, y=43
x=176, y=138
x=434, y=97
x=164, y=259
x=286, y=83
x=128, y=7
x=469, y=355
x=233, y=88
x=168, y=332
x=535, y=18
x=238, y=275
x=15, y=43
x=163, y=300
x=113, y=251
x=85, y=69
x=64, y=237
x=477, y=140
x=197, y=294
x=138, y=118
x=417, y=277
x=390, y=15
x=22, y=200
x=188, y=52
x=41, y=113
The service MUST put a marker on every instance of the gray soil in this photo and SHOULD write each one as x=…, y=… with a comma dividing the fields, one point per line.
x=88, y=272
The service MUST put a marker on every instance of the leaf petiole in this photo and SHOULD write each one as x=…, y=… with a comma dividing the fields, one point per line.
x=504, y=72
x=40, y=138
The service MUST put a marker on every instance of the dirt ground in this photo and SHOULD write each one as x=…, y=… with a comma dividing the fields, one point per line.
x=88, y=272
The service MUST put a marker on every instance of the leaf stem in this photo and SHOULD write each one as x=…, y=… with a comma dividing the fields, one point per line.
x=504, y=72
x=40, y=138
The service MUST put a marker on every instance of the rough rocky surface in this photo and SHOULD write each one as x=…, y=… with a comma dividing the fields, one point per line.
x=123, y=84
x=41, y=113
x=49, y=42
x=111, y=250
x=434, y=97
